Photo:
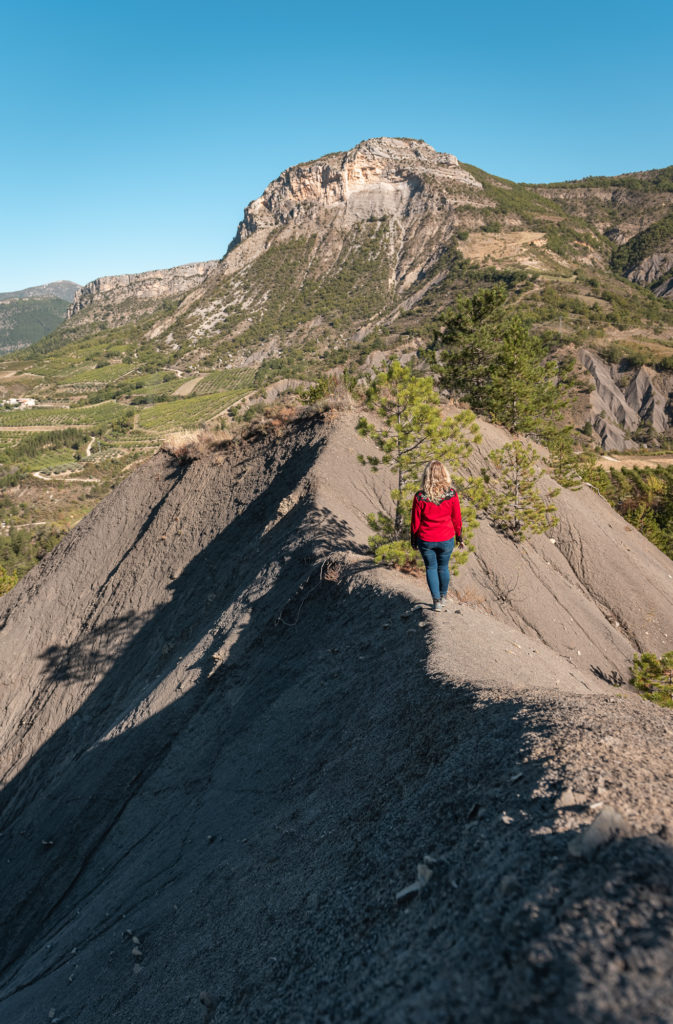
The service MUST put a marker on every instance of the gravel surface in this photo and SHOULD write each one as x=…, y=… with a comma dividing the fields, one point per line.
x=248, y=776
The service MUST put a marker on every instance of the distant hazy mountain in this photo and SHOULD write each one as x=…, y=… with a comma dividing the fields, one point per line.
x=27, y=315
x=54, y=290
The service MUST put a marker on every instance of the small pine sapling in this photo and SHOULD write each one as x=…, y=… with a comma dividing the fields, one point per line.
x=410, y=434
x=510, y=497
x=7, y=580
x=653, y=677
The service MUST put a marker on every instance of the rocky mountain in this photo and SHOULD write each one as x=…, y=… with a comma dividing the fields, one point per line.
x=349, y=230
x=362, y=248
x=247, y=777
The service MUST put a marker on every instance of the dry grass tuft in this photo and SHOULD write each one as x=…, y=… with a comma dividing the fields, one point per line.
x=470, y=595
x=190, y=445
x=277, y=418
x=332, y=569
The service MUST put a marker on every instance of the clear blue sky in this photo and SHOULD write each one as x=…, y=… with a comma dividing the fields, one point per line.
x=134, y=133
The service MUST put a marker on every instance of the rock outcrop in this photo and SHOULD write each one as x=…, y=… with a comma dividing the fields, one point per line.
x=646, y=394
x=652, y=269
x=655, y=271
x=124, y=296
x=375, y=179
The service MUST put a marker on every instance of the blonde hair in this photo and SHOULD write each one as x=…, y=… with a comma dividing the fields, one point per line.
x=436, y=479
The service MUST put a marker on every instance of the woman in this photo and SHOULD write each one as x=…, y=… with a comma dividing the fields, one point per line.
x=436, y=525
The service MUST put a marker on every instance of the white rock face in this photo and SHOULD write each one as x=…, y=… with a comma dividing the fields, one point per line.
x=147, y=287
x=376, y=178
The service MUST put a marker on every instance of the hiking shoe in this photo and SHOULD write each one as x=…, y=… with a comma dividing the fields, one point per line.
x=438, y=606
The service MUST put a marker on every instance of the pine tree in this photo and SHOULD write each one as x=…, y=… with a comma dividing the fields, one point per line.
x=412, y=433
x=568, y=466
x=510, y=498
x=489, y=358
x=465, y=340
x=522, y=393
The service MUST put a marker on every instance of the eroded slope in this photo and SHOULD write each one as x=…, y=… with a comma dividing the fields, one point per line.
x=229, y=741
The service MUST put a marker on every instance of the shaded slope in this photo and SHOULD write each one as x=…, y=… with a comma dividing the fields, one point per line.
x=240, y=746
x=23, y=321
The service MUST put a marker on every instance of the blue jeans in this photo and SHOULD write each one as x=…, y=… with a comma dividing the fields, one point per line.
x=436, y=555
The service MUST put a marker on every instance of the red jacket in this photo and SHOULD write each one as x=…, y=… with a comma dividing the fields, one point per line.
x=436, y=520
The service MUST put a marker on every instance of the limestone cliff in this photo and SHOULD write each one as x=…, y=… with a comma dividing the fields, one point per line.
x=120, y=298
x=342, y=239
x=402, y=182
x=378, y=177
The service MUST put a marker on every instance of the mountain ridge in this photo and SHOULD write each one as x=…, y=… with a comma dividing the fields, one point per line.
x=54, y=290
x=32, y=313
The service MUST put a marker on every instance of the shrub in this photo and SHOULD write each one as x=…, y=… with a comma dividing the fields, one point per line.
x=189, y=445
x=653, y=677
x=511, y=499
x=7, y=580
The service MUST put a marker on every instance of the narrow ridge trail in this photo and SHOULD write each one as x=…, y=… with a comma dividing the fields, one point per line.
x=229, y=741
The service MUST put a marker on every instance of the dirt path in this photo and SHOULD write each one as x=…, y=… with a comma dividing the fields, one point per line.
x=65, y=477
x=23, y=526
x=47, y=427
x=188, y=386
x=228, y=406
x=630, y=461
